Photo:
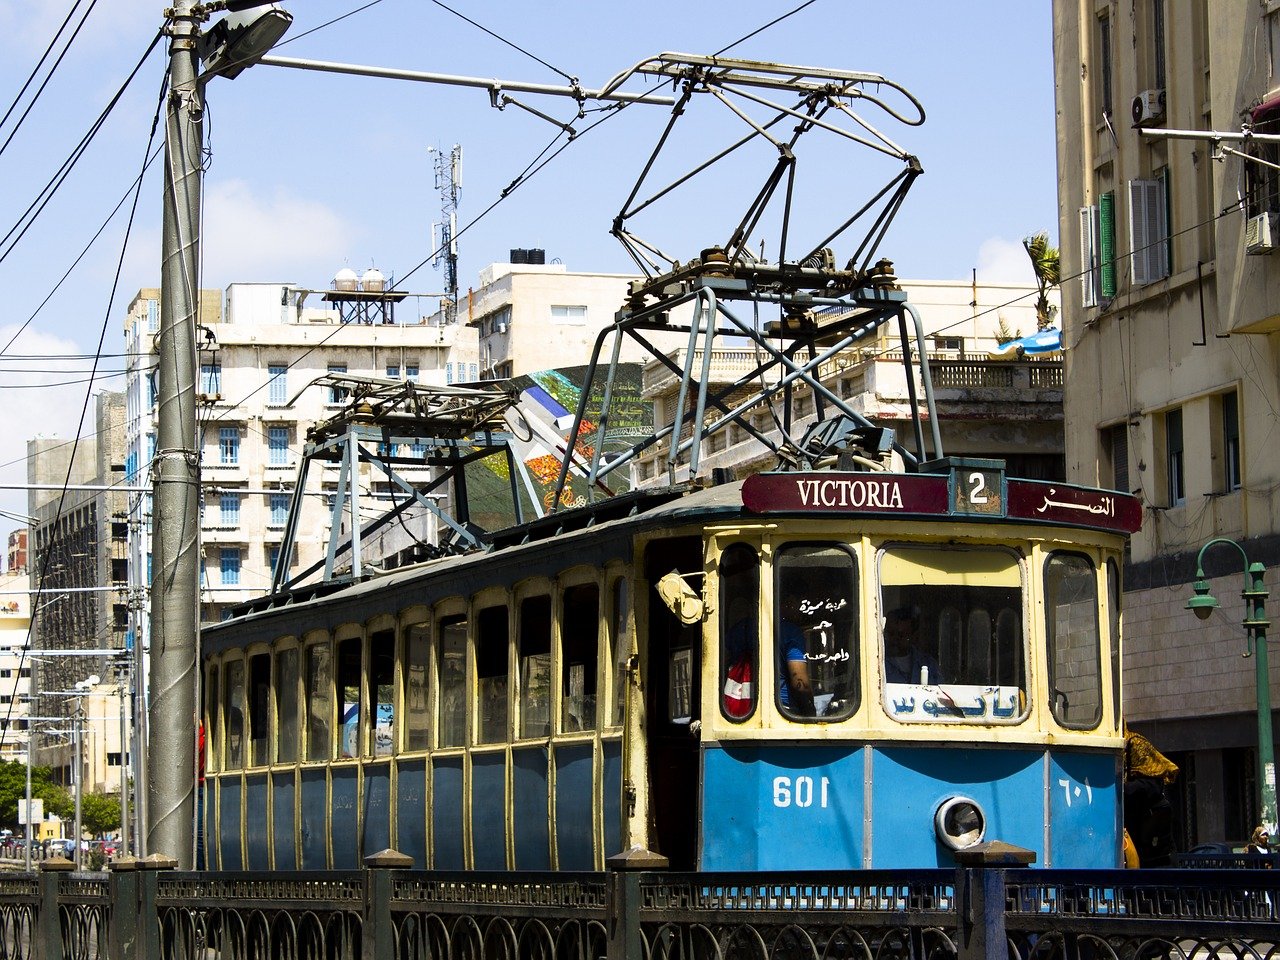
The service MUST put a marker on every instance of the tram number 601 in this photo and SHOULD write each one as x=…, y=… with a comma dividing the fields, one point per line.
x=799, y=792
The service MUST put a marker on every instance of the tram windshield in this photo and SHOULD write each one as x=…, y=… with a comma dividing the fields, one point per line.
x=952, y=646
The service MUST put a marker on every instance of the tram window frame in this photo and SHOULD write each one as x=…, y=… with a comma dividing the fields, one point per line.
x=213, y=726
x=233, y=714
x=816, y=609
x=318, y=694
x=258, y=703
x=620, y=646
x=534, y=664
x=382, y=720
x=738, y=573
x=287, y=679
x=579, y=637
x=451, y=679
x=1058, y=701
x=415, y=696
x=349, y=692
x=1115, y=604
x=493, y=675
x=920, y=587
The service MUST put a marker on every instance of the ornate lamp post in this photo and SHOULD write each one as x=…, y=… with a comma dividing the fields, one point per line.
x=1203, y=603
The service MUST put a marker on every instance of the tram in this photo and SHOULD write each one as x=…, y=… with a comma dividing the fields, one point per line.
x=869, y=655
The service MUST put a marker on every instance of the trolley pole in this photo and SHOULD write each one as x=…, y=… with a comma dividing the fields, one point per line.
x=171, y=767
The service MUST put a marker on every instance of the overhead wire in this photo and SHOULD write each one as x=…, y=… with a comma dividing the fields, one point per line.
x=40, y=63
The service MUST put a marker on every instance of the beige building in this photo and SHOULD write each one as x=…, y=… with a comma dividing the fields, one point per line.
x=15, y=666
x=1170, y=286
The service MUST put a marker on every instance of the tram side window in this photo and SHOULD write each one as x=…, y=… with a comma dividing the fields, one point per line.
x=1113, y=605
x=287, y=705
x=348, y=677
x=492, y=640
x=815, y=632
x=535, y=667
x=953, y=646
x=453, y=681
x=1075, y=649
x=416, y=660
x=739, y=630
x=319, y=708
x=382, y=668
x=212, y=760
x=579, y=651
x=259, y=708
x=621, y=649
x=233, y=711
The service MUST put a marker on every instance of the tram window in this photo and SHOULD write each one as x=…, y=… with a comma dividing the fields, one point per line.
x=259, y=708
x=491, y=674
x=953, y=648
x=212, y=759
x=535, y=667
x=348, y=677
x=815, y=633
x=1075, y=650
x=287, y=705
x=382, y=665
x=453, y=681
x=233, y=711
x=319, y=710
x=621, y=649
x=416, y=659
x=739, y=630
x=1113, y=606
x=579, y=652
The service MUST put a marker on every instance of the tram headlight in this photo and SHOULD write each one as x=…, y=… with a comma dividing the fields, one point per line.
x=960, y=823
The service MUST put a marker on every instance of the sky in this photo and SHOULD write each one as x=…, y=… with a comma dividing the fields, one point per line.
x=307, y=173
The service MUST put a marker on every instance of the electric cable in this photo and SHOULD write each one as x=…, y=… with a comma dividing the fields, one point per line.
x=572, y=80
x=36, y=69
x=759, y=30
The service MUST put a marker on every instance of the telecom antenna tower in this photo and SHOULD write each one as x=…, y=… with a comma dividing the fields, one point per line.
x=444, y=234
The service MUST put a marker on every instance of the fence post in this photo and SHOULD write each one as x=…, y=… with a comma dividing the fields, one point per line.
x=49, y=927
x=124, y=909
x=147, y=936
x=980, y=932
x=624, y=900
x=377, y=932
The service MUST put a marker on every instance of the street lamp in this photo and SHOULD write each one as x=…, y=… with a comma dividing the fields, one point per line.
x=77, y=726
x=1203, y=603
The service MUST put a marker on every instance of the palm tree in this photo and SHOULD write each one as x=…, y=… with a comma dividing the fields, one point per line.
x=1045, y=263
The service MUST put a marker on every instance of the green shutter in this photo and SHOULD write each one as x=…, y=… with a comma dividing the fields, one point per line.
x=1107, y=243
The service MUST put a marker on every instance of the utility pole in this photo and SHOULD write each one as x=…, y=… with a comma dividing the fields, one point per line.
x=171, y=766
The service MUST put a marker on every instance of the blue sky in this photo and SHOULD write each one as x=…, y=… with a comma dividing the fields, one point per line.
x=310, y=172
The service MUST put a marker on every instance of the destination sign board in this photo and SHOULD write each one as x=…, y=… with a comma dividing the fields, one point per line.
x=958, y=495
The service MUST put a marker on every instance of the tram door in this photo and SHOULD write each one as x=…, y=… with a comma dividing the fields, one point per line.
x=673, y=696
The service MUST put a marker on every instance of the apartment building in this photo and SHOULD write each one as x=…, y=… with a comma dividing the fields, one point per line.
x=1170, y=280
x=15, y=666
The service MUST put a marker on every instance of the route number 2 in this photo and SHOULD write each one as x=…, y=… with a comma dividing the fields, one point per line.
x=977, y=488
x=799, y=792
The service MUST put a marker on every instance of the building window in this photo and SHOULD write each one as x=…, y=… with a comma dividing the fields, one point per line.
x=229, y=509
x=949, y=344
x=475, y=373
x=568, y=313
x=277, y=384
x=279, y=506
x=1157, y=43
x=393, y=371
x=1116, y=440
x=211, y=379
x=1098, y=251
x=273, y=558
x=229, y=558
x=448, y=372
x=411, y=372
x=1273, y=44
x=1174, y=458
x=278, y=446
x=1149, y=228
x=1231, y=441
x=1104, y=65
x=153, y=315
x=229, y=445
x=337, y=394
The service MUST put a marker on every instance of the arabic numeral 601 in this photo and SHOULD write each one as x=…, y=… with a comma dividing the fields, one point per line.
x=799, y=791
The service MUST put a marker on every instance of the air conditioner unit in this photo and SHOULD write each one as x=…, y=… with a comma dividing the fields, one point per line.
x=1260, y=234
x=502, y=327
x=1148, y=108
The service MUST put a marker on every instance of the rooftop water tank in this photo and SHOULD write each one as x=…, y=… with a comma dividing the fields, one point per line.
x=346, y=280
x=373, y=281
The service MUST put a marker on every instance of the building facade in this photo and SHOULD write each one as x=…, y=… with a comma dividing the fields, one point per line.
x=1170, y=326
x=15, y=665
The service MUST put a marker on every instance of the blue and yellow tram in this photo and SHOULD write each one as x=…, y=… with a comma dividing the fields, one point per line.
x=800, y=670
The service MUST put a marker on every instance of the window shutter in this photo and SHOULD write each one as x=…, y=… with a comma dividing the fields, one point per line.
x=1120, y=457
x=1148, y=232
x=1107, y=244
x=1088, y=259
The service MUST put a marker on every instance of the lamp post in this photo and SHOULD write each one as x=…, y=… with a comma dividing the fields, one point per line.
x=1203, y=603
x=77, y=727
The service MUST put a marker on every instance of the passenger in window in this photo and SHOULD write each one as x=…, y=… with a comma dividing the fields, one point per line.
x=795, y=690
x=904, y=660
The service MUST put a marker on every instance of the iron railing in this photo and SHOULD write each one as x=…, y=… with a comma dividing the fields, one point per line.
x=137, y=912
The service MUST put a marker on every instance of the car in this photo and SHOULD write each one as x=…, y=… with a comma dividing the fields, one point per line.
x=1221, y=848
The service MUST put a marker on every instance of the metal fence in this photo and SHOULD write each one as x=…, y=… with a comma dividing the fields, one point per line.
x=139, y=912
